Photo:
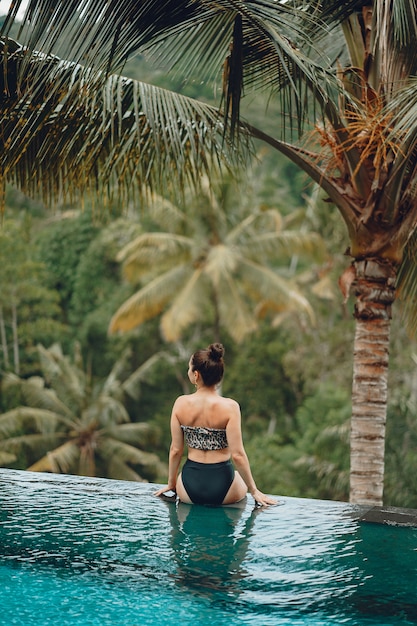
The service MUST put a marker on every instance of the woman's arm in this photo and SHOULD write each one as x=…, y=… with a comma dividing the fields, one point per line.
x=240, y=458
x=175, y=451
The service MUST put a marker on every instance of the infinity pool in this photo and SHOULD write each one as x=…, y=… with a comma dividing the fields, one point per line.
x=99, y=552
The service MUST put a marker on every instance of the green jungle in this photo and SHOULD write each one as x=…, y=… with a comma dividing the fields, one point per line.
x=96, y=334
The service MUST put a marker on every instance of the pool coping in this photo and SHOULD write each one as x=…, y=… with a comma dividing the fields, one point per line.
x=388, y=515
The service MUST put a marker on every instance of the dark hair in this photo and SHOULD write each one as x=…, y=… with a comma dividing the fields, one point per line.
x=209, y=362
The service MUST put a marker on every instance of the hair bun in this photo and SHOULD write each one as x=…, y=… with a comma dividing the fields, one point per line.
x=216, y=351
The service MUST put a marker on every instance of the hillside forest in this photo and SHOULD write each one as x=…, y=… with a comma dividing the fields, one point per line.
x=88, y=381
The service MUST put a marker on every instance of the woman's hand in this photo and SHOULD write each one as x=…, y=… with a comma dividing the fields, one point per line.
x=263, y=500
x=164, y=490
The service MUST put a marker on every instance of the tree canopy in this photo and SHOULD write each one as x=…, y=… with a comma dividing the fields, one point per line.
x=344, y=76
x=221, y=263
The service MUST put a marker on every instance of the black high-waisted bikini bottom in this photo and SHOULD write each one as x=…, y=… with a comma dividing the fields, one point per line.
x=207, y=483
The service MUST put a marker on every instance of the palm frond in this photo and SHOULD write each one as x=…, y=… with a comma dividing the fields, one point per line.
x=407, y=286
x=332, y=11
x=71, y=124
x=306, y=244
x=235, y=313
x=139, y=434
x=125, y=453
x=131, y=385
x=72, y=131
x=100, y=34
x=47, y=422
x=401, y=188
x=254, y=44
x=67, y=380
x=272, y=288
x=6, y=459
x=112, y=384
x=264, y=234
x=222, y=260
x=37, y=395
x=166, y=214
x=105, y=411
x=60, y=460
x=148, y=301
x=150, y=249
x=35, y=442
x=256, y=221
x=118, y=470
x=186, y=307
x=396, y=37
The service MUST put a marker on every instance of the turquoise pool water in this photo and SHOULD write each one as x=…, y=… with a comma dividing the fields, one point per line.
x=89, y=551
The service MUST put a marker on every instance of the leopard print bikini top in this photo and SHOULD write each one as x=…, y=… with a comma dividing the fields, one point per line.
x=202, y=438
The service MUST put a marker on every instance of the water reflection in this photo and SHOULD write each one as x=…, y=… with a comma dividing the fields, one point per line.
x=134, y=557
x=387, y=559
x=210, y=545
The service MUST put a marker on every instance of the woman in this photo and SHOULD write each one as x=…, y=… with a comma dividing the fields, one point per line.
x=210, y=425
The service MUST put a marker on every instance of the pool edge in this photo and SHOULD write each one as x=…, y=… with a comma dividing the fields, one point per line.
x=387, y=515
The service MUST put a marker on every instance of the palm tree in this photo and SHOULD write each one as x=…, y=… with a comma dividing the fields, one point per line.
x=27, y=306
x=86, y=128
x=83, y=430
x=343, y=71
x=212, y=264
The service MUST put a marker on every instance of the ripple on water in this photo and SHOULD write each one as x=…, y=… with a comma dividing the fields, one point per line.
x=80, y=551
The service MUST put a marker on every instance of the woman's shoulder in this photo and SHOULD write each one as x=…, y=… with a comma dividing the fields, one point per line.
x=181, y=400
x=219, y=402
x=229, y=403
x=229, y=399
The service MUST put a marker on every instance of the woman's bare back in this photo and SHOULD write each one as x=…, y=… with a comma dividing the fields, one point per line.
x=205, y=410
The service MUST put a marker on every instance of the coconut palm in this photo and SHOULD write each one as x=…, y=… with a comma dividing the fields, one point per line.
x=343, y=71
x=214, y=264
x=83, y=430
x=70, y=125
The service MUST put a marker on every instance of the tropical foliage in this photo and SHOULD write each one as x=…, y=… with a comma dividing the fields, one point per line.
x=78, y=252
x=70, y=427
x=29, y=309
x=292, y=381
x=82, y=126
x=314, y=460
x=221, y=263
x=343, y=71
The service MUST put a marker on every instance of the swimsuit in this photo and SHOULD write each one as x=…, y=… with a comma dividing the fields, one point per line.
x=205, y=438
x=206, y=483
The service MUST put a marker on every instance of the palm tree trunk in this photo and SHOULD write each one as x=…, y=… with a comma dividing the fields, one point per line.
x=15, y=339
x=375, y=293
x=4, y=340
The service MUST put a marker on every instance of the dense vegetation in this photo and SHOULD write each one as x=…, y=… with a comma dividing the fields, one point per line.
x=291, y=374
